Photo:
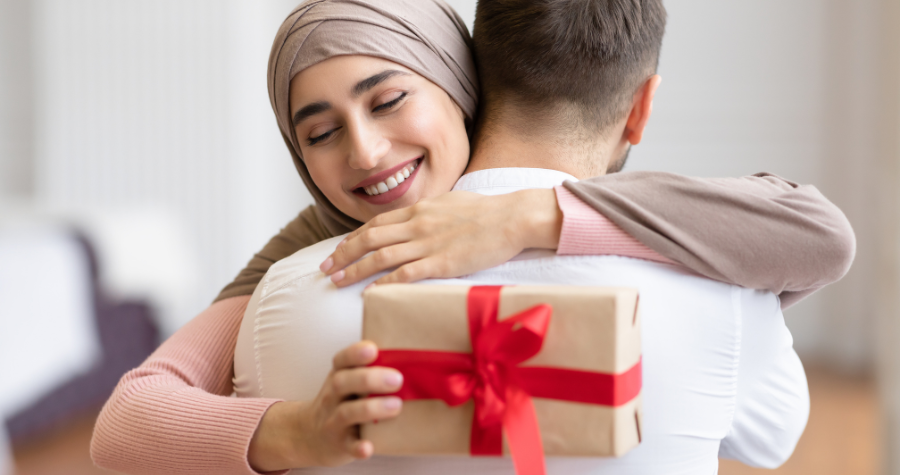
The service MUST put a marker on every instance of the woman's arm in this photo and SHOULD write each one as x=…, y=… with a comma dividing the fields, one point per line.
x=759, y=232
x=174, y=413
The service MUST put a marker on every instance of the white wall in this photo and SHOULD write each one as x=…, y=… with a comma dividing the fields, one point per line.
x=163, y=105
x=16, y=173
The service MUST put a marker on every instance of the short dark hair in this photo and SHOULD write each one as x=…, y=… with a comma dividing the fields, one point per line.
x=590, y=53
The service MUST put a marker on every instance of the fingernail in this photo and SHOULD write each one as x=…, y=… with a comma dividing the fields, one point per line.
x=392, y=403
x=369, y=286
x=393, y=379
x=327, y=264
x=337, y=276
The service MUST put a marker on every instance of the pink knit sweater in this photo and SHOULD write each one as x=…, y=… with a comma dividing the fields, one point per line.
x=174, y=413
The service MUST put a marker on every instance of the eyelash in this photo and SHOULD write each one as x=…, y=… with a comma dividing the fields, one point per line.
x=383, y=107
x=390, y=104
x=314, y=140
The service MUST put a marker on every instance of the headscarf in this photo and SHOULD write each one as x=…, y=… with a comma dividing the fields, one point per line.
x=426, y=36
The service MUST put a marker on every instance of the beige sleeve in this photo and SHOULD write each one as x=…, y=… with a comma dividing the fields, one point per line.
x=305, y=230
x=760, y=231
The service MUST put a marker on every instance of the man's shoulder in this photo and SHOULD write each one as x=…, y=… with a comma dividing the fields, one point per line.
x=659, y=281
x=300, y=264
x=549, y=265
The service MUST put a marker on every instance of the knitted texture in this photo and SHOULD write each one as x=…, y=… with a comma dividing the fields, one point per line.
x=174, y=414
x=587, y=232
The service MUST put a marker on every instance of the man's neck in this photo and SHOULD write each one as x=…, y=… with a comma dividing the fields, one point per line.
x=500, y=146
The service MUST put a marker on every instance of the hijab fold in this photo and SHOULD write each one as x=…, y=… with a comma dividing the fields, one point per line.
x=426, y=36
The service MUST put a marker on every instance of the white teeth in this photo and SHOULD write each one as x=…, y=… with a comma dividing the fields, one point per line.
x=391, y=182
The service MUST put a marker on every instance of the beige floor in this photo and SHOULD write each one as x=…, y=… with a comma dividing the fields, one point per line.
x=841, y=437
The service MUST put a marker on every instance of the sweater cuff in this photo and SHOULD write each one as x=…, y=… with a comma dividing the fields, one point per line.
x=587, y=232
x=195, y=431
x=261, y=405
x=583, y=228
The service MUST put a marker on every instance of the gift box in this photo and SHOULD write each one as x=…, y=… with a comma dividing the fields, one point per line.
x=555, y=369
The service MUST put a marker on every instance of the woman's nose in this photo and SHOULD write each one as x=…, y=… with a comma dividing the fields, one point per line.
x=367, y=147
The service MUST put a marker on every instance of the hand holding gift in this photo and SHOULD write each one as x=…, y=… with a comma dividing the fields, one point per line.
x=325, y=431
x=555, y=370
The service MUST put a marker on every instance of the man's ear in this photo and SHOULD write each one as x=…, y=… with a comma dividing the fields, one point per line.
x=641, y=109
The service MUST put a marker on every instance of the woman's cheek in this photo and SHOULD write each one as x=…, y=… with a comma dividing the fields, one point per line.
x=443, y=134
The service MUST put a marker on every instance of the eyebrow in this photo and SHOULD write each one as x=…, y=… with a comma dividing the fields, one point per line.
x=372, y=81
x=310, y=110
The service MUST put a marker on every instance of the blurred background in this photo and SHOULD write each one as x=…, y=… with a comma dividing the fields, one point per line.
x=141, y=167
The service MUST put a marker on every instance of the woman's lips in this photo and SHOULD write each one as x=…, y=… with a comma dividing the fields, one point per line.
x=393, y=194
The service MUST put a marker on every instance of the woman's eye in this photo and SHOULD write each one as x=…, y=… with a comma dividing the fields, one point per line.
x=390, y=104
x=319, y=138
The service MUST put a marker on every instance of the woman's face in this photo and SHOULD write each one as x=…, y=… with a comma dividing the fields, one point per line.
x=376, y=136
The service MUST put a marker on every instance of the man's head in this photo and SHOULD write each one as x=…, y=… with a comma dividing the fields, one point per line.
x=579, y=65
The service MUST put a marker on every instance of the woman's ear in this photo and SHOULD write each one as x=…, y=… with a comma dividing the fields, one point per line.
x=641, y=108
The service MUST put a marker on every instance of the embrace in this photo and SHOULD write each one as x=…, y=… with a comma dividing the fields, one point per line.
x=422, y=168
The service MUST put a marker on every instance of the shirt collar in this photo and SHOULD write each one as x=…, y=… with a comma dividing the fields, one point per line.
x=498, y=181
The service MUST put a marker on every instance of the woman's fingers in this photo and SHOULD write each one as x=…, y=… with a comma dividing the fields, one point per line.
x=414, y=271
x=380, y=260
x=360, y=449
x=369, y=240
x=357, y=354
x=367, y=380
x=378, y=232
x=370, y=409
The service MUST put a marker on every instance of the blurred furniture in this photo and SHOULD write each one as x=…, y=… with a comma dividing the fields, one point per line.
x=64, y=343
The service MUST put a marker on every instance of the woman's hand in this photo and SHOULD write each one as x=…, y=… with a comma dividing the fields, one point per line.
x=454, y=234
x=325, y=431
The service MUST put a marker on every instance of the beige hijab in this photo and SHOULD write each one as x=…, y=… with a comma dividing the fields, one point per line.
x=426, y=36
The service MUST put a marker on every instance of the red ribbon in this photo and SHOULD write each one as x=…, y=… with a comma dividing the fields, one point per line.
x=502, y=389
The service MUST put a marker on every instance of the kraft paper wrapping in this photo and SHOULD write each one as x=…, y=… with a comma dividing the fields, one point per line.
x=592, y=329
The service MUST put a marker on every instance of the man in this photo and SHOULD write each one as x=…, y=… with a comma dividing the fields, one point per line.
x=574, y=81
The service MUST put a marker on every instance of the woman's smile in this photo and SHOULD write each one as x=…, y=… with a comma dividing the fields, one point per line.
x=389, y=185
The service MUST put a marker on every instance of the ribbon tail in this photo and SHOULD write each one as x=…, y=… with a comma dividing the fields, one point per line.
x=523, y=434
x=486, y=439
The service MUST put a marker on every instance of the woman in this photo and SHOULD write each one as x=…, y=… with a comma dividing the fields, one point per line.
x=170, y=416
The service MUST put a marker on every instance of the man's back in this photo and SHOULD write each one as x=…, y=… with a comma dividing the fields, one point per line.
x=719, y=370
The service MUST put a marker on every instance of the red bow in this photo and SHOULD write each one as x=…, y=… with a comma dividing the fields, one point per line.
x=500, y=388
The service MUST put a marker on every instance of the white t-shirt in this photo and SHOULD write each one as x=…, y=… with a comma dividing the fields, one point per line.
x=720, y=375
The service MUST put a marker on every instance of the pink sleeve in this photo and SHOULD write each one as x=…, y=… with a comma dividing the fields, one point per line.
x=587, y=232
x=174, y=413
